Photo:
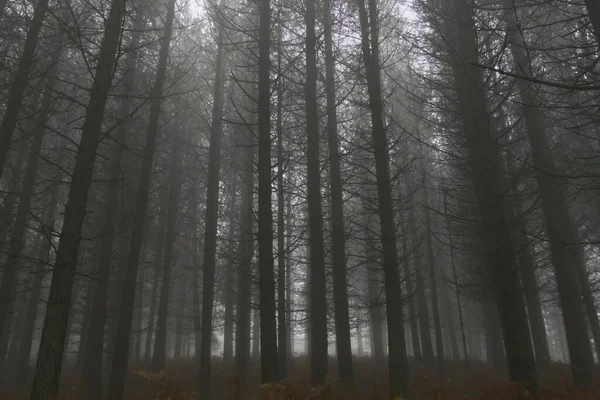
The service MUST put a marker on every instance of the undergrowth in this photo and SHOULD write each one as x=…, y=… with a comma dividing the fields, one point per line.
x=178, y=381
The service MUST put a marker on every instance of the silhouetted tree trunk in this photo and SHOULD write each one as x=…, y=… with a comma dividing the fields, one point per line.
x=127, y=298
x=6, y=222
x=461, y=320
x=212, y=205
x=567, y=259
x=19, y=229
x=398, y=366
x=158, y=260
x=373, y=290
x=340, y=293
x=439, y=345
x=282, y=307
x=246, y=252
x=44, y=246
x=411, y=301
x=179, y=350
x=54, y=333
x=450, y=321
x=17, y=90
x=490, y=187
x=160, y=350
x=268, y=327
x=318, y=305
x=422, y=309
x=229, y=276
x=95, y=332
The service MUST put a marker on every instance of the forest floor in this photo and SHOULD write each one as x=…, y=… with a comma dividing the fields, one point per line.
x=481, y=383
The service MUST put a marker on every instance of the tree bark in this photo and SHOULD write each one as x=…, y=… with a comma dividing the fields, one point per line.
x=95, y=331
x=54, y=333
x=318, y=298
x=398, y=366
x=439, y=345
x=127, y=298
x=44, y=246
x=246, y=253
x=490, y=187
x=340, y=293
x=461, y=320
x=160, y=349
x=9, y=273
x=268, y=327
x=567, y=259
x=210, y=235
x=282, y=306
x=229, y=277
x=17, y=90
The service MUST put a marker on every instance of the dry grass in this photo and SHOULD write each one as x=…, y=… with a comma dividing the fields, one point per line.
x=483, y=383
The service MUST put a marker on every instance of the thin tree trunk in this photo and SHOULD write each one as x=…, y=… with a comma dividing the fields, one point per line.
x=567, y=259
x=44, y=246
x=229, y=277
x=158, y=260
x=54, y=333
x=179, y=351
x=282, y=307
x=288, y=277
x=449, y=313
x=340, y=293
x=318, y=298
x=422, y=309
x=95, y=332
x=17, y=90
x=160, y=349
x=246, y=253
x=412, y=314
x=461, y=320
x=127, y=298
x=268, y=331
x=490, y=187
x=439, y=345
x=210, y=236
x=398, y=366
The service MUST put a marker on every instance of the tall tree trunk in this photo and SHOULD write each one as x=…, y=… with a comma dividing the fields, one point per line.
x=282, y=306
x=158, y=260
x=7, y=209
x=212, y=205
x=449, y=313
x=373, y=290
x=229, y=277
x=461, y=320
x=246, y=253
x=340, y=293
x=412, y=314
x=17, y=90
x=52, y=344
x=567, y=259
x=422, y=309
x=44, y=246
x=398, y=365
x=318, y=298
x=490, y=187
x=25, y=196
x=160, y=350
x=127, y=298
x=179, y=351
x=439, y=345
x=268, y=328
x=95, y=332
x=288, y=277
